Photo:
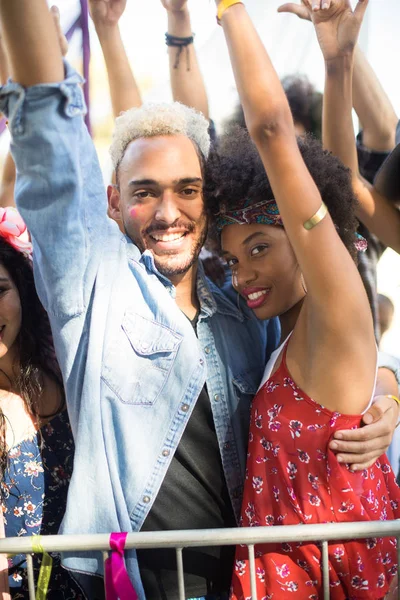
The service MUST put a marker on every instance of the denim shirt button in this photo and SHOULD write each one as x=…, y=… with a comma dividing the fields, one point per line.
x=217, y=397
x=165, y=453
x=185, y=407
x=146, y=499
x=201, y=361
x=207, y=350
x=227, y=445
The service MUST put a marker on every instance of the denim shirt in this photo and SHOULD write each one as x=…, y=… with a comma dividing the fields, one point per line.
x=132, y=365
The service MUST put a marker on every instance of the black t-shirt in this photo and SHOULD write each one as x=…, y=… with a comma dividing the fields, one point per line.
x=193, y=495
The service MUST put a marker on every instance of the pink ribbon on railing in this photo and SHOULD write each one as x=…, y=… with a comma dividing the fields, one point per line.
x=118, y=584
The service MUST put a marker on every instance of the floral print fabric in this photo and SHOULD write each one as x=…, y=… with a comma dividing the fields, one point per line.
x=34, y=495
x=293, y=478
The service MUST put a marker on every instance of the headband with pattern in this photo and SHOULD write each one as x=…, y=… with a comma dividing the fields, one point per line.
x=265, y=212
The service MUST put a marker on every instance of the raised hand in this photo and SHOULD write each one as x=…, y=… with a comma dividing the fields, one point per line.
x=106, y=12
x=174, y=5
x=337, y=26
x=296, y=9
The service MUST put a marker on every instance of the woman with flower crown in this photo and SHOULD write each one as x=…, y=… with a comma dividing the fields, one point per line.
x=284, y=210
x=36, y=445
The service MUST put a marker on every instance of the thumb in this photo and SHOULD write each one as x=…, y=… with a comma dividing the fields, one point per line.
x=295, y=9
x=373, y=414
x=360, y=9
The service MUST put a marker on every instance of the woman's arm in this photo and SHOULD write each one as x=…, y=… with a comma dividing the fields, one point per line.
x=123, y=88
x=187, y=82
x=327, y=267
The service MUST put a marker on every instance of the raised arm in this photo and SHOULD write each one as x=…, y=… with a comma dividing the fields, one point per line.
x=378, y=214
x=187, y=83
x=59, y=187
x=123, y=88
x=370, y=101
x=31, y=42
x=377, y=116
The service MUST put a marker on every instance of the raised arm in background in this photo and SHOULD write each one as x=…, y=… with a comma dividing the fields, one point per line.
x=123, y=88
x=187, y=82
x=379, y=215
x=37, y=58
x=370, y=101
x=377, y=116
x=7, y=184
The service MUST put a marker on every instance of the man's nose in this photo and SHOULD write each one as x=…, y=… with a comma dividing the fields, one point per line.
x=167, y=209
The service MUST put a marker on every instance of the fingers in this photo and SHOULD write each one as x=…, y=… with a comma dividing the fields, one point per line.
x=295, y=9
x=61, y=37
x=360, y=9
x=373, y=414
x=316, y=5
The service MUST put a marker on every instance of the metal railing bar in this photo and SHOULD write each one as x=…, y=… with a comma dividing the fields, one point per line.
x=181, y=578
x=253, y=582
x=31, y=576
x=208, y=537
x=325, y=570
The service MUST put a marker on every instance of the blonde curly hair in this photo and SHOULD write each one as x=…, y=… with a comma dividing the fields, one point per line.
x=152, y=120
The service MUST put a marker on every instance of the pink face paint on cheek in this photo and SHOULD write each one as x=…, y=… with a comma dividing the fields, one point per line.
x=133, y=212
x=234, y=280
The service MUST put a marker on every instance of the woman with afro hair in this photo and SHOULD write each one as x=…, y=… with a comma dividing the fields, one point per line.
x=284, y=211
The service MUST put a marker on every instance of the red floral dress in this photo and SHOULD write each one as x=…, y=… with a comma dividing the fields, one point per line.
x=293, y=478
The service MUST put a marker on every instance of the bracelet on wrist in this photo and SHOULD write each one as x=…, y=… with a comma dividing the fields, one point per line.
x=180, y=43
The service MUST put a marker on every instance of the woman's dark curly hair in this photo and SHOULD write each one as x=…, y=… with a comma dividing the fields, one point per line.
x=234, y=173
x=35, y=354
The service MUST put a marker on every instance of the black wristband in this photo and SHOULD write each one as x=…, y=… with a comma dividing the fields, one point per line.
x=178, y=42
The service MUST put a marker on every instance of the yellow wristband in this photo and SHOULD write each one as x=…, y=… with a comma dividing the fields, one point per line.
x=223, y=5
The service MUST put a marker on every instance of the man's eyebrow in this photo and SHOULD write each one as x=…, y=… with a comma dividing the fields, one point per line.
x=188, y=180
x=183, y=181
x=4, y=279
x=139, y=182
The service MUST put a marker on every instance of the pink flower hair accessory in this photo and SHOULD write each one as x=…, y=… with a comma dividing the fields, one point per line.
x=14, y=231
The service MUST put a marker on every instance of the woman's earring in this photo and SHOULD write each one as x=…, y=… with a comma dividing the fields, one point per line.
x=303, y=283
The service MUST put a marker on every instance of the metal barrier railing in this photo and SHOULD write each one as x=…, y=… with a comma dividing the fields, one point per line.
x=178, y=540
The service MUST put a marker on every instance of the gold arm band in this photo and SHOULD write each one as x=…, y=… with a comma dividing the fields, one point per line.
x=315, y=219
x=223, y=5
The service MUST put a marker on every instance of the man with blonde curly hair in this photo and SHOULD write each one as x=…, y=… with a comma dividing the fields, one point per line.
x=159, y=365
x=161, y=207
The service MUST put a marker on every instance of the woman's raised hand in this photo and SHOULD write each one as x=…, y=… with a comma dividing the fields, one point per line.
x=336, y=24
x=106, y=12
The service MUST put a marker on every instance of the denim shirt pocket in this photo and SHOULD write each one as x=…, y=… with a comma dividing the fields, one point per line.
x=138, y=361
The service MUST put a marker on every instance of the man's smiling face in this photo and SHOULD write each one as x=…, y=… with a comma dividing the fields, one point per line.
x=160, y=200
